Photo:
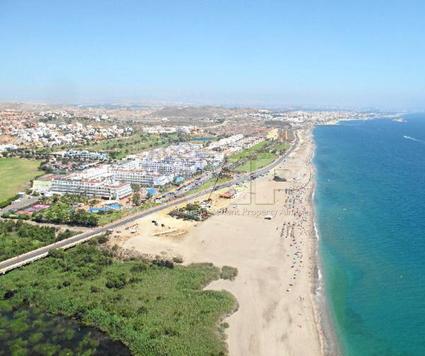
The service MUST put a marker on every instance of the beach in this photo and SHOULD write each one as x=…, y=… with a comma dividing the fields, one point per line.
x=267, y=233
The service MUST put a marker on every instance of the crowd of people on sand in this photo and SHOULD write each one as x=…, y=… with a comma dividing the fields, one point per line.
x=296, y=227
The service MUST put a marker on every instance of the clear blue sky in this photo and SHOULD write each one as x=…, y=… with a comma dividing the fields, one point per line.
x=356, y=53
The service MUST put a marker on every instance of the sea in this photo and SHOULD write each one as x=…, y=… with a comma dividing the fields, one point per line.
x=370, y=216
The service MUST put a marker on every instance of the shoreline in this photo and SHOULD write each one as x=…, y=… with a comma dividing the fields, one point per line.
x=318, y=298
x=325, y=329
x=327, y=333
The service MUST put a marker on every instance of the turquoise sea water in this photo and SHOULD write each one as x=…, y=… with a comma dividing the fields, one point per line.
x=370, y=211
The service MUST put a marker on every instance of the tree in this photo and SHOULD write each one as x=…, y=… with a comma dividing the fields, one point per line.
x=136, y=199
x=57, y=253
x=135, y=187
x=117, y=281
x=93, y=202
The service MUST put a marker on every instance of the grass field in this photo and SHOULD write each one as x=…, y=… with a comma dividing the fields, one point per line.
x=257, y=156
x=15, y=174
x=104, y=219
x=154, y=309
x=247, y=153
x=210, y=183
x=118, y=148
x=261, y=160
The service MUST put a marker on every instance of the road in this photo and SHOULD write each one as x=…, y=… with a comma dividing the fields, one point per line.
x=31, y=256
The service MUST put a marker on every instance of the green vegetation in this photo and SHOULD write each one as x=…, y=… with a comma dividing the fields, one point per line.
x=120, y=147
x=62, y=213
x=8, y=201
x=19, y=237
x=258, y=156
x=262, y=159
x=136, y=199
x=43, y=334
x=211, y=183
x=111, y=216
x=71, y=210
x=191, y=211
x=15, y=174
x=154, y=308
x=236, y=157
x=279, y=147
x=62, y=210
x=228, y=272
x=65, y=210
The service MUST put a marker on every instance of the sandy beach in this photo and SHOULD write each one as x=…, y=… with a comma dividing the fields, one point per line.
x=275, y=257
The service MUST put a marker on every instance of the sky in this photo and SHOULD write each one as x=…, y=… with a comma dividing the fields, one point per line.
x=231, y=52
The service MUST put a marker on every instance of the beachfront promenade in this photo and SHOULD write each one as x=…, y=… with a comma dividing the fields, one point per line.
x=42, y=252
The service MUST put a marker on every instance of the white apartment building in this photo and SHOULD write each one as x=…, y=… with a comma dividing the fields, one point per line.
x=175, y=168
x=225, y=142
x=141, y=177
x=86, y=155
x=92, y=182
x=152, y=169
x=92, y=187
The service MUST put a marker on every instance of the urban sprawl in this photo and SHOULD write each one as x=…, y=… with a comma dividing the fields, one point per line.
x=205, y=138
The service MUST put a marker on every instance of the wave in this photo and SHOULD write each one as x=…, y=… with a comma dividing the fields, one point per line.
x=399, y=119
x=413, y=139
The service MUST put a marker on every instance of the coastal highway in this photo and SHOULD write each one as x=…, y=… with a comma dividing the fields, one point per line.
x=41, y=252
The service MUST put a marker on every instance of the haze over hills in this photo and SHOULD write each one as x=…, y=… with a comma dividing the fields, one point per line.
x=268, y=54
